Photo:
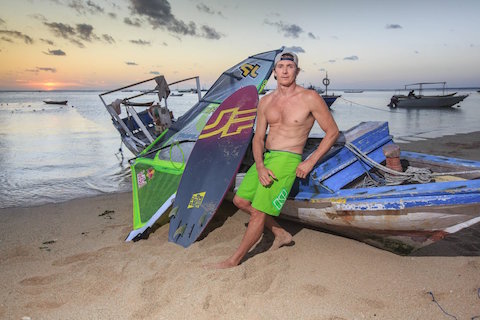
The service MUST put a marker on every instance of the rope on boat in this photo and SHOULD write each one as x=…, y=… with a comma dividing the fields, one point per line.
x=364, y=105
x=393, y=177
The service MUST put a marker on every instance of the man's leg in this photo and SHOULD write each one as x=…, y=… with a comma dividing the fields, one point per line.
x=251, y=236
x=282, y=236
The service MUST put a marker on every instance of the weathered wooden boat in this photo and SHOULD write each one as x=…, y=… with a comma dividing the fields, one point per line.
x=62, y=102
x=140, y=128
x=352, y=193
x=425, y=101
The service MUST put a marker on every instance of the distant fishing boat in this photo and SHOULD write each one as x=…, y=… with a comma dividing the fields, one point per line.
x=138, y=104
x=353, y=91
x=173, y=94
x=412, y=100
x=63, y=102
x=329, y=98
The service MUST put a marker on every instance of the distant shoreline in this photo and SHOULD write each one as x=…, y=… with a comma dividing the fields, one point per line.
x=330, y=89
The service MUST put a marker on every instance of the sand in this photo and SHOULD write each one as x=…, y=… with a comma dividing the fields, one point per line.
x=69, y=261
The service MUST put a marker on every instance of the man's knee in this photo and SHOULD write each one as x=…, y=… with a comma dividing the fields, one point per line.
x=241, y=203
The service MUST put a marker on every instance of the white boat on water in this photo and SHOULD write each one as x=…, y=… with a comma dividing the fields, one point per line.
x=413, y=100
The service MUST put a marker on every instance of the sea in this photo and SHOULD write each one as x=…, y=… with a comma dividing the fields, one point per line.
x=55, y=153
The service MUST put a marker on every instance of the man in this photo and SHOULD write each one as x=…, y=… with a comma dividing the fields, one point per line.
x=289, y=113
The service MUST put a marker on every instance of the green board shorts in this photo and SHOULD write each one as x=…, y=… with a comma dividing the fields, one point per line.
x=271, y=199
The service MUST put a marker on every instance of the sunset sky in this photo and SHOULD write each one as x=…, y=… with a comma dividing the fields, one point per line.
x=103, y=44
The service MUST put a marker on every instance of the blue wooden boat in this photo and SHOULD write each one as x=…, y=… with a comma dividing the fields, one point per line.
x=330, y=99
x=349, y=193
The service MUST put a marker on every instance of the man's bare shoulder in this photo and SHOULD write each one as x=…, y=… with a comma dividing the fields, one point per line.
x=266, y=99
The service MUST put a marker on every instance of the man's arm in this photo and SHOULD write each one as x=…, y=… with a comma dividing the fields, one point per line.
x=258, y=145
x=322, y=115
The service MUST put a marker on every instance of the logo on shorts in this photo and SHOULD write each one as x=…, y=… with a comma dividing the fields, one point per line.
x=196, y=200
x=279, y=201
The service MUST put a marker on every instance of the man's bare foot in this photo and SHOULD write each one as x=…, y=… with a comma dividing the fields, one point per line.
x=281, y=240
x=221, y=265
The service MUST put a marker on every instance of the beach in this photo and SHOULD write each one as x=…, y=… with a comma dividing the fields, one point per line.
x=69, y=261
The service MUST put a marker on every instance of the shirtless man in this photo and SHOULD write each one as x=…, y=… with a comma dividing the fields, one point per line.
x=289, y=113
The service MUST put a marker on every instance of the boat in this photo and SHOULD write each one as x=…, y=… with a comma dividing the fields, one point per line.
x=419, y=100
x=353, y=91
x=140, y=128
x=358, y=192
x=158, y=166
x=173, y=94
x=330, y=99
x=137, y=104
x=62, y=102
x=350, y=194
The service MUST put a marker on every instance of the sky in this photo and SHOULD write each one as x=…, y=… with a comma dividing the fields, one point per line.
x=105, y=44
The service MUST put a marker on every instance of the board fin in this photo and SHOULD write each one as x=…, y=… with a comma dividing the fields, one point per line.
x=173, y=212
x=202, y=219
x=180, y=230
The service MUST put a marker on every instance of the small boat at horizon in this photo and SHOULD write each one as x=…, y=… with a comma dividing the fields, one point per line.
x=412, y=100
x=62, y=102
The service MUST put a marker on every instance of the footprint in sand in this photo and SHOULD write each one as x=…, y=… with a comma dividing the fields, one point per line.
x=73, y=259
x=38, y=280
x=316, y=290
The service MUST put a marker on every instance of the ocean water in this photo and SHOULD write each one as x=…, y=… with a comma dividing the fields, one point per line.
x=54, y=153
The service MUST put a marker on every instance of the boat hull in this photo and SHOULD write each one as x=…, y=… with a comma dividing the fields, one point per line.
x=402, y=230
x=445, y=101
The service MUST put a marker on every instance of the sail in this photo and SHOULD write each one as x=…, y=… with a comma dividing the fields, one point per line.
x=157, y=171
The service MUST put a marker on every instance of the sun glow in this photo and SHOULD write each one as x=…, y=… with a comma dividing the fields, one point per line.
x=48, y=86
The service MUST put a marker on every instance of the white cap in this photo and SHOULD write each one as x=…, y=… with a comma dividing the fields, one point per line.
x=286, y=55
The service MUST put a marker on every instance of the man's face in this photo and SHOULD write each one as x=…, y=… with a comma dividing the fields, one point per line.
x=286, y=72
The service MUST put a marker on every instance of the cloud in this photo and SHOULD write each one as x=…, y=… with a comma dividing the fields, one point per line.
x=289, y=30
x=332, y=61
x=353, y=58
x=108, y=38
x=393, y=26
x=141, y=42
x=50, y=42
x=112, y=15
x=6, y=39
x=159, y=15
x=295, y=49
x=45, y=69
x=135, y=23
x=18, y=35
x=85, y=32
x=204, y=8
x=312, y=36
x=130, y=63
x=81, y=32
x=57, y=52
x=61, y=30
x=87, y=7
x=210, y=33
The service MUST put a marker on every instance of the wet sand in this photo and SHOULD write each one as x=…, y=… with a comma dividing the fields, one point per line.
x=69, y=261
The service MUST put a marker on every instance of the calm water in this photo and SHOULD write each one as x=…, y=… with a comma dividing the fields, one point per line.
x=52, y=153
